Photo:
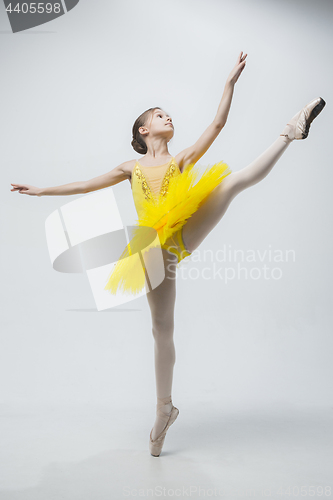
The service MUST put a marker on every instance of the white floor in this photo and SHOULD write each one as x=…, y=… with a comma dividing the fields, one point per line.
x=99, y=452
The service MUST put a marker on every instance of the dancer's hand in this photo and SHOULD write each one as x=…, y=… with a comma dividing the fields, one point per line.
x=26, y=189
x=238, y=68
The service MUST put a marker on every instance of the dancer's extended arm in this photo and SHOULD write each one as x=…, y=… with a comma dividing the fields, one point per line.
x=111, y=178
x=195, y=152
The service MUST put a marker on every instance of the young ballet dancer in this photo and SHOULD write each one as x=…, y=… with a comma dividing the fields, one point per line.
x=181, y=212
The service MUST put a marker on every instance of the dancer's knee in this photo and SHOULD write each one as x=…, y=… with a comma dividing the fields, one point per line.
x=163, y=330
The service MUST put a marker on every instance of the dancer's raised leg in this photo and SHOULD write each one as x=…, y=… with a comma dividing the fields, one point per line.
x=216, y=203
x=161, y=301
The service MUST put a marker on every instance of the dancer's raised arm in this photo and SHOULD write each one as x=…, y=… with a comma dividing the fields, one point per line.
x=195, y=152
x=111, y=178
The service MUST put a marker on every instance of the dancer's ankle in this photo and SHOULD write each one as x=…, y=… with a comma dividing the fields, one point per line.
x=287, y=135
x=286, y=139
x=166, y=408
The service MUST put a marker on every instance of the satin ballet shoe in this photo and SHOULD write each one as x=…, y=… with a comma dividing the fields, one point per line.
x=156, y=445
x=298, y=126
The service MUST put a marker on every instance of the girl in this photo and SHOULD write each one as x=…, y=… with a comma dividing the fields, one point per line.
x=183, y=214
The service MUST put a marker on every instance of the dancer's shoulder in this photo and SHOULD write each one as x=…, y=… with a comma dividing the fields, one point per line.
x=127, y=167
x=182, y=159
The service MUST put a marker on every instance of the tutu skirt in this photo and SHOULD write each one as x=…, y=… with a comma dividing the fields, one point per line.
x=159, y=219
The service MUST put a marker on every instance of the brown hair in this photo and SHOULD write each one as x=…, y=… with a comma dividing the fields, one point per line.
x=138, y=143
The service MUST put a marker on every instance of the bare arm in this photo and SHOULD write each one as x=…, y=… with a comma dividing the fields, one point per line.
x=195, y=152
x=111, y=178
x=118, y=174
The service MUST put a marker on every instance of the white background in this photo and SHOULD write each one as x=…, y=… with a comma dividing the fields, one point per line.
x=70, y=93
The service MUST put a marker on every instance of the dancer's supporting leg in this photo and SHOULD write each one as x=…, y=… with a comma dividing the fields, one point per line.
x=161, y=301
x=215, y=205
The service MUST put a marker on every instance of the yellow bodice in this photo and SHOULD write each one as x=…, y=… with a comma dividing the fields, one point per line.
x=150, y=182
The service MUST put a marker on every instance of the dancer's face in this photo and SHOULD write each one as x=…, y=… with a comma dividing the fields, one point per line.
x=159, y=124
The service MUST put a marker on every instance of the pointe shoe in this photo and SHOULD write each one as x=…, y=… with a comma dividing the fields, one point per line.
x=298, y=126
x=156, y=445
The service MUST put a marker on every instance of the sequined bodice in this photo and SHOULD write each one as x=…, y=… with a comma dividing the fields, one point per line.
x=149, y=182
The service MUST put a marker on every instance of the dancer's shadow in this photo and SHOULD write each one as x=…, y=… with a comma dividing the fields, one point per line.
x=235, y=452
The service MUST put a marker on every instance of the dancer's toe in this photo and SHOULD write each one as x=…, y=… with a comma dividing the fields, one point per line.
x=298, y=127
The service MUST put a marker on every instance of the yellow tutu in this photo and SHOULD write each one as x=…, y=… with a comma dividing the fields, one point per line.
x=162, y=216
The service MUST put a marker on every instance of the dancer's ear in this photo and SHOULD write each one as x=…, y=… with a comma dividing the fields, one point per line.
x=143, y=130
